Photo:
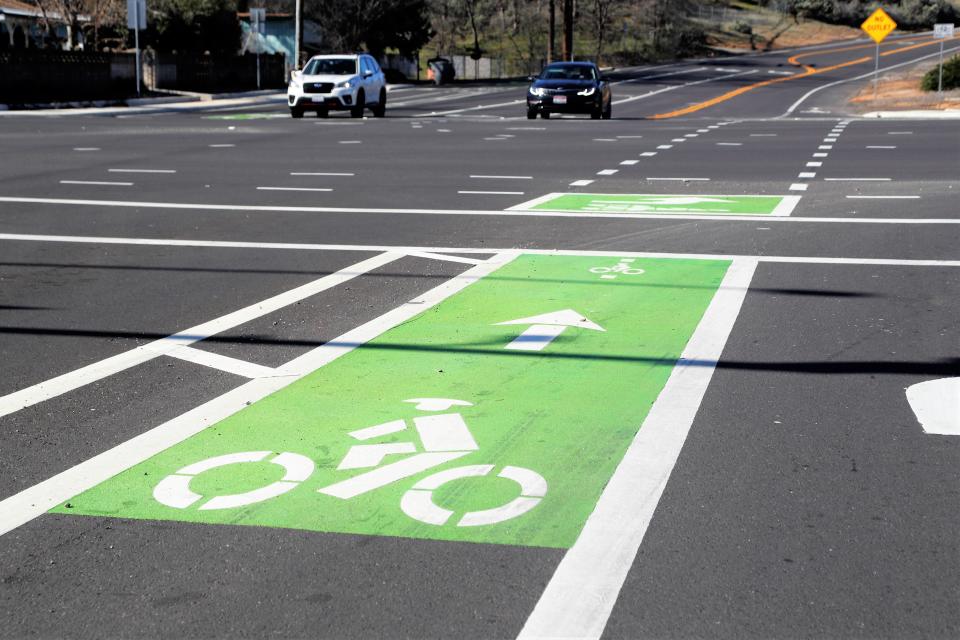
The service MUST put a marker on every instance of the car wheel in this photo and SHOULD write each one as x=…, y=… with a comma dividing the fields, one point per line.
x=380, y=109
x=296, y=112
x=531, y=114
x=357, y=111
x=323, y=113
x=545, y=115
x=608, y=112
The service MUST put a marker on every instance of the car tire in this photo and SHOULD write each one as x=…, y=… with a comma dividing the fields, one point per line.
x=296, y=112
x=323, y=113
x=531, y=114
x=608, y=112
x=357, y=110
x=380, y=109
x=595, y=114
x=545, y=115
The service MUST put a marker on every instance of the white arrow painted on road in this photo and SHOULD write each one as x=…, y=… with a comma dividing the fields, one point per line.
x=936, y=404
x=544, y=328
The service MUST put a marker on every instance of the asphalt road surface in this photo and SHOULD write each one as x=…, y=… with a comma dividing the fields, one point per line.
x=456, y=373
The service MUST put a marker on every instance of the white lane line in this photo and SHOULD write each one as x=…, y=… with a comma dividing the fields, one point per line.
x=763, y=135
x=678, y=140
x=581, y=594
x=884, y=197
x=830, y=140
x=86, y=148
x=430, y=255
x=729, y=144
x=581, y=183
x=406, y=250
x=293, y=189
x=222, y=146
x=648, y=154
x=691, y=135
x=484, y=177
x=681, y=86
x=629, y=162
x=882, y=146
x=900, y=133
x=223, y=363
x=798, y=187
x=492, y=193
x=98, y=182
x=607, y=172
x=820, y=155
x=526, y=128
x=786, y=206
x=679, y=179
x=665, y=146
x=468, y=109
x=825, y=147
x=604, y=139
x=54, y=387
x=857, y=179
x=713, y=126
x=444, y=131
x=321, y=173
x=629, y=137
x=814, y=164
x=450, y=212
x=349, y=141
x=38, y=499
x=703, y=130
x=141, y=170
x=496, y=139
x=807, y=174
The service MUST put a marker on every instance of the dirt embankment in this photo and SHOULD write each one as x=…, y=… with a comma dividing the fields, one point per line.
x=901, y=90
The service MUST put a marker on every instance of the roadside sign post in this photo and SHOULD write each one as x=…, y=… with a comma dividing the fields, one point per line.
x=942, y=32
x=878, y=26
x=137, y=20
x=258, y=24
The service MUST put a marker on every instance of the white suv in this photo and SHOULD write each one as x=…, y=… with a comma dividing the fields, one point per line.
x=339, y=82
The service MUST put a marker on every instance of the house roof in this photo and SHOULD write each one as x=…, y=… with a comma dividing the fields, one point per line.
x=18, y=8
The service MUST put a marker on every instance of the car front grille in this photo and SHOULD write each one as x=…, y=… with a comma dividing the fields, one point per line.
x=318, y=87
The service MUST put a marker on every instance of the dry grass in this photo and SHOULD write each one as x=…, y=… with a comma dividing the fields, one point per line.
x=901, y=90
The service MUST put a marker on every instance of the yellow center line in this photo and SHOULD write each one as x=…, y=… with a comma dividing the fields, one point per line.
x=808, y=71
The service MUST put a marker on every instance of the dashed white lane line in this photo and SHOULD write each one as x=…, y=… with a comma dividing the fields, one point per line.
x=679, y=179
x=349, y=141
x=491, y=177
x=607, y=172
x=444, y=131
x=798, y=187
x=883, y=197
x=648, y=154
x=629, y=162
x=98, y=370
x=900, y=133
x=321, y=173
x=857, y=179
x=293, y=189
x=830, y=140
x=581, y=183
x=628, y=137
x=703, y=130
x=580, y=596
x=86, y=148
x=763, y=135
x=678, y=140
x=141, y=170
x=820, y=155
x=604, y=139
x=691, y=135
x=492, y=193
x=807, y=174
x=103, y=183
x=665, y=146
x=882, y=146
x=825, y=147
x=815, y=164
x=222, y=146
x=729, y=144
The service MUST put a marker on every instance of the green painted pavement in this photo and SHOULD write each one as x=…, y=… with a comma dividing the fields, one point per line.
x=660, y=203
x=566, y=412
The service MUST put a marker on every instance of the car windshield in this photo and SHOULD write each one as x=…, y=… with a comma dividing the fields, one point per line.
x=568, y=72
x=331, y=66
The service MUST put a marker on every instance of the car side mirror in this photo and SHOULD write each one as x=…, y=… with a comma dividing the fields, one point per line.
x=367, y=73
x=531, y=78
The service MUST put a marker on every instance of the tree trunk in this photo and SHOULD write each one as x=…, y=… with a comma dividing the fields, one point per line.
x=568, y=29
x=552, y=36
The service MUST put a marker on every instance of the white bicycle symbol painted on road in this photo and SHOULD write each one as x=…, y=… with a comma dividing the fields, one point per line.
x=445, y=437
x=622, y=267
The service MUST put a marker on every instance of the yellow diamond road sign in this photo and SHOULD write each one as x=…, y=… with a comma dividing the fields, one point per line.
x=879, y=25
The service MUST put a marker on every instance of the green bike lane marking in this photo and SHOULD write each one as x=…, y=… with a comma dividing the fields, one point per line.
x=497, y=416
x=738, y=205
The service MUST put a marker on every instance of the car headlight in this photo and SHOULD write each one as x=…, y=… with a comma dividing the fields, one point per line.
x=346, y=84
x=294, y=85
x=589, y=91
x=538, y=91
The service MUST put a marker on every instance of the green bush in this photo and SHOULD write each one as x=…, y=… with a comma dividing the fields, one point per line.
x=951, y=76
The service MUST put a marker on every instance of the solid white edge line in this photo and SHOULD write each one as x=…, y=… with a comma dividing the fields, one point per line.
x=857, y=179
x=292, y=189
x=483, y=177
x=429, y=255
x=77, y=378
x=883, y=197
x=141, y=170
x=581, y=594
x=102, y=183
x=38, y=499
x=293, y=246
x=223, y=363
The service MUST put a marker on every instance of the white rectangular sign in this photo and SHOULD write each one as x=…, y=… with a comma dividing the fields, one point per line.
x=943, y=31
x=258, y=20
x=137, y=13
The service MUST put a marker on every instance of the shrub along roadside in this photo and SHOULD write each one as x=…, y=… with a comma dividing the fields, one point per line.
x=951, y=76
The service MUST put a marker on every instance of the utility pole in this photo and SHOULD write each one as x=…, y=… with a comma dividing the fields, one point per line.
x=568, y=30
x=552, y=38
x=298, y=34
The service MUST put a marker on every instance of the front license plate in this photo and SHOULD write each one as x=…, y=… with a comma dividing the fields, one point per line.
x=316, y=98
x=559, y=99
